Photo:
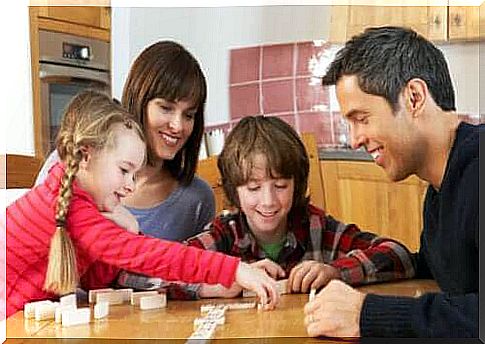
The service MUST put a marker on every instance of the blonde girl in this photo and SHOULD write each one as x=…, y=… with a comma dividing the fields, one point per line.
x=56, y=232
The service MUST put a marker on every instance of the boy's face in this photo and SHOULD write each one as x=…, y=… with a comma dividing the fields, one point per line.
x=390, y=137
x=266, y=201
x=108, y=175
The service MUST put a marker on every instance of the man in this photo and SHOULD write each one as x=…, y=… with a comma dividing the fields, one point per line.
x=395, y=91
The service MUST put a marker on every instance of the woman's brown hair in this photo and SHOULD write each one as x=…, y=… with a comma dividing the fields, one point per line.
x=167, y=70
x=89, y=121
x=278, y=142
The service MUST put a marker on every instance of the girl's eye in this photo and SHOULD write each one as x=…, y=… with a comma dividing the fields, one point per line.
x=123, y=170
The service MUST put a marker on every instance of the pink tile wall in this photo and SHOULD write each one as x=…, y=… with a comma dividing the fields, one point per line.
x=276, y=80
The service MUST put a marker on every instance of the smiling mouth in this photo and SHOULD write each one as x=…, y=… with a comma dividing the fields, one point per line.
x=376, y=153
x=267, y=214
x=169, y=140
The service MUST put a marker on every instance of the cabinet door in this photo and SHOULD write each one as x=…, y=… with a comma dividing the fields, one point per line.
x=429, y=21
x=464, y=22
x=208, y=171
x=360, y=193
x=95, y=16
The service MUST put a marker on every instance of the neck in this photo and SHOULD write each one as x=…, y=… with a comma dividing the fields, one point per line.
x=274, y=237
x=440, y=140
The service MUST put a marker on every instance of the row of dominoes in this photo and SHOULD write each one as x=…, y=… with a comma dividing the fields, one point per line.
x=281, y=286
x=144, y=299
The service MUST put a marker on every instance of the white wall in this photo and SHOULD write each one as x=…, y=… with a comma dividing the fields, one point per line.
x=208, y=33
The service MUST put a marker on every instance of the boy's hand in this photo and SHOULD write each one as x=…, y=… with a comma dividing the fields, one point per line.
x=311, y=274
x=260, y=283
x=123, y=218
x=271, y=268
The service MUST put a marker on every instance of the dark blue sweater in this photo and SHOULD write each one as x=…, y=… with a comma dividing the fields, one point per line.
x=448, y=253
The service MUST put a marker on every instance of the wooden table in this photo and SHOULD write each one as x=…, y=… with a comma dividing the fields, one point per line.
x=175, y=323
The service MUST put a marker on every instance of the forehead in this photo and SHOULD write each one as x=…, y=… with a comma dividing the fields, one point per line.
x=257, y=168
x=128, y=146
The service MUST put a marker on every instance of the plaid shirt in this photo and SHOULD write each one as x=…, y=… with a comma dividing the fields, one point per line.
x=361, y=257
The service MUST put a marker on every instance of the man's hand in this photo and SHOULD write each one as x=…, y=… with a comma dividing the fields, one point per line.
x=123, y=218
x=271, y=268
x=310, y=274
x=335, y=312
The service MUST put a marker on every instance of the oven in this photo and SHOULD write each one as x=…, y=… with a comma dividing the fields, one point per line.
x=68, y=64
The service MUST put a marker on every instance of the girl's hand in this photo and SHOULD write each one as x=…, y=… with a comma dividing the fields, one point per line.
x=123, y=218
x=217, y=290
x=260, y=283
x=271, y=268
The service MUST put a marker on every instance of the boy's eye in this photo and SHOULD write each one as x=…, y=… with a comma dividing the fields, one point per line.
x=253, y=187
x=281, y=186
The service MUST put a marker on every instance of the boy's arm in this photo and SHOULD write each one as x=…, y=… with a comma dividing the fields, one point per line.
x=364, y=257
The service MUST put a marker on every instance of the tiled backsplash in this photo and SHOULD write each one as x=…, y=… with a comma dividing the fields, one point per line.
x=283, y=80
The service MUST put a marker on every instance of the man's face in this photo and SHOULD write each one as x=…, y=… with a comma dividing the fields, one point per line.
x=390, y=137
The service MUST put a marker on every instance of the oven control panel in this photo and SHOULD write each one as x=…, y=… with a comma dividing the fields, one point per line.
x=76, y=52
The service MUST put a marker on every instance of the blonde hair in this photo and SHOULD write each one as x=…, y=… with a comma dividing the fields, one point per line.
x=89, y=121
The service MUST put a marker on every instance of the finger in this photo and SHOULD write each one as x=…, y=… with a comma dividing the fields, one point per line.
x=298, y=278
x=262, y=294
x=312, y=306
x=320, y=281
x=308, y=279
x=275, y=296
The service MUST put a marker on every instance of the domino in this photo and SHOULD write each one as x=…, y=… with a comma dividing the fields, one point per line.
x=60, y=309
x=92, y=293
x=29, y=308
x=126, y=293
x=68, y=300
x=153, y=302
x=45, y=311
x=136, y=296
x=281, y=286
x=242, y=305
x=101, y=310
x=312, y=294
x=76, y=317
x=206, y=308
x=112, y=298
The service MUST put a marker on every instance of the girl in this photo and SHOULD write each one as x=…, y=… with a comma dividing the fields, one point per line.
x=55, y=233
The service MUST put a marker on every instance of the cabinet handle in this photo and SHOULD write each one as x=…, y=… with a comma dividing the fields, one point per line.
x=457, y=19
x=437, y=20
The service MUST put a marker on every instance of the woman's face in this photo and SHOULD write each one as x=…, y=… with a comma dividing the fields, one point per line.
x=169, y=124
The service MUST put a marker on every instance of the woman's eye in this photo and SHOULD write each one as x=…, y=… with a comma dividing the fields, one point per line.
x=190, y=115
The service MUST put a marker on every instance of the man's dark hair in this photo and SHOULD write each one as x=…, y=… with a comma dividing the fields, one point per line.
x=385, y=58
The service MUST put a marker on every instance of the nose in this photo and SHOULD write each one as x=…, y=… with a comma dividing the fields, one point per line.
x=357, y=138
x=176, y=121
x=130, y=184
x=268, y=196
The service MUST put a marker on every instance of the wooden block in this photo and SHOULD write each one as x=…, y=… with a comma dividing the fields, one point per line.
x=29, y=308
x=92, y=293
x=60, y=309
x=113, y=298
x=135, y=297
x=153, y=302
x=68, y=300
x=76, y=317
x=45, y=311
x=101, y=310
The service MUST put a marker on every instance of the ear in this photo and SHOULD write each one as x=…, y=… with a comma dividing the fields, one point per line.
x=415, y=96
x=87, y=152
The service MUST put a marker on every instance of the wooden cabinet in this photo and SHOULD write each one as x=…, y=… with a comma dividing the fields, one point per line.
x=360, y=193
x=437, y=23
x=95, y=16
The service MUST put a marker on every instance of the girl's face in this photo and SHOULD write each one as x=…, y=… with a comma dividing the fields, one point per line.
x=108, y=175
x=169, y=125
x=266, y=201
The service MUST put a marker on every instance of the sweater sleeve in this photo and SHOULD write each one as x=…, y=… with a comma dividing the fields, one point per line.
x=431, y=315
x=103, y=240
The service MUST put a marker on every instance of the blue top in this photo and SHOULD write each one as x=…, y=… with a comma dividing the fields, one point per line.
x=183, y=214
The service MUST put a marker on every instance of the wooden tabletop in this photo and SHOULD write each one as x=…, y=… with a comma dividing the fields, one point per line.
x=175, y=323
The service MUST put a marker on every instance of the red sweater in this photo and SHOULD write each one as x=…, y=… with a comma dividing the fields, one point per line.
x=101, y=246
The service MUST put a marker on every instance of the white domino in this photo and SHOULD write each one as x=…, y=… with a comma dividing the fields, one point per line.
x=280, y=287
x=76, y=317
x=312, y=294
x=68, y=300
x=60, y=309
x=136, y=296
x=29, y=308
x=101, y=310
x=153, y=302
x=113, y=298
x=242, y=305
x=126, y=293
x=45, y=311
x=92, y=293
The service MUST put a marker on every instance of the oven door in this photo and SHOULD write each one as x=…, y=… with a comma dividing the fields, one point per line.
x=59, y=84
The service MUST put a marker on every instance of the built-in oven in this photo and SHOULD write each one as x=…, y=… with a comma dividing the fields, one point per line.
x=68, y=65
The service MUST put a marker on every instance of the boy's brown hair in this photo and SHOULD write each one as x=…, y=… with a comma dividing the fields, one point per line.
x=278, y=142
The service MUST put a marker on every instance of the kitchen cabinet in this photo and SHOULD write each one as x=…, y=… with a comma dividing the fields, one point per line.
x=360, y=193
x=94, y=16
x=436, y=23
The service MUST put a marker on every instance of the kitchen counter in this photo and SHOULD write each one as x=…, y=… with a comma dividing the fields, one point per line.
x=344, y=154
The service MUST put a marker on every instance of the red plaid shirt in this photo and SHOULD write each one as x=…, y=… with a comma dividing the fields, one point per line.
x=361, y=257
